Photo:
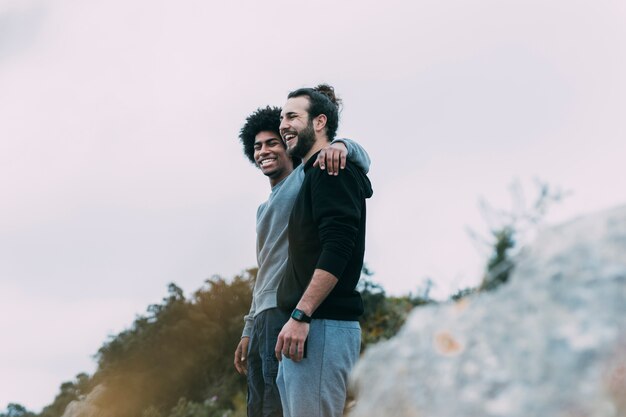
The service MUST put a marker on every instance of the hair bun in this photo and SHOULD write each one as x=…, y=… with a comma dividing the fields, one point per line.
x=329, y=92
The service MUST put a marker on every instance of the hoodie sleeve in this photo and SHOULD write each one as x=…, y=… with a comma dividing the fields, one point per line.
x=248, y=320
x=337, y=209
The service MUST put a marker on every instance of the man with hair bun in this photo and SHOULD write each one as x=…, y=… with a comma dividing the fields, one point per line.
x=263, y=146
x=320, y=343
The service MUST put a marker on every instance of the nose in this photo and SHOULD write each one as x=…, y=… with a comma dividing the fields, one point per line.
x=264, y=149
x=284, y=124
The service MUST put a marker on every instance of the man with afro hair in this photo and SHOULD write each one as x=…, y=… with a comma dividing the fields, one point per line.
x=264, y=147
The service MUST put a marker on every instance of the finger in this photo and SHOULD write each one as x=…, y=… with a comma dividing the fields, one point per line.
x=330, y=166
x=243, y=353
x=293, y=351
x=236, y=361
x=343, y=160
x=321, y=159
x=286, y=348
x=279, y=347
x=238, y=367
x=336, y=163
x=300, y=353
x=329, y=162
x=244, y=349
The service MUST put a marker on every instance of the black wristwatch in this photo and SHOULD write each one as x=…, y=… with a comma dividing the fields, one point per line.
x=299, y=315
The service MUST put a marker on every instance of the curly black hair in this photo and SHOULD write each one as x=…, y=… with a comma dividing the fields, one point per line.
x=263, y=119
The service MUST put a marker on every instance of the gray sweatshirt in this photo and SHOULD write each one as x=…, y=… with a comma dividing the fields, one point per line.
x=271, y=230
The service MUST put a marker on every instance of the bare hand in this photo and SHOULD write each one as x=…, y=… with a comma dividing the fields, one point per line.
x=291, y=340
x=332, y=158
x=241, y=356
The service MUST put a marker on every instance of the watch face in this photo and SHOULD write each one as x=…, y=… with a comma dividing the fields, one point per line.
x=299, y=315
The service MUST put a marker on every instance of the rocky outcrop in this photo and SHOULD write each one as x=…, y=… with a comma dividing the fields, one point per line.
x=88, y=405
x=550, y=343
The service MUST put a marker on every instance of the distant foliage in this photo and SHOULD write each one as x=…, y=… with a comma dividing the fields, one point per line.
x=500, y=264
x=507, y=228
x=174, y=361
x=17, y=410
x=464, y=292
x=209, y=408
x=520, y=220
x=383, y=315
x=181, y=349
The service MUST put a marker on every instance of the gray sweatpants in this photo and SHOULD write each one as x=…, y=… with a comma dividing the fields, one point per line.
x=317, y=386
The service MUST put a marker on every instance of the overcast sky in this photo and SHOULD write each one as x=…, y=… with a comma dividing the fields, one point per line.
x=121, y=171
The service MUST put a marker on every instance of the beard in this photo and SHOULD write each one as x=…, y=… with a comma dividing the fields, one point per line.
x=306, y=140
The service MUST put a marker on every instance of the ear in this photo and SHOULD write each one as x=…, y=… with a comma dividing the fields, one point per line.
x=320, y=122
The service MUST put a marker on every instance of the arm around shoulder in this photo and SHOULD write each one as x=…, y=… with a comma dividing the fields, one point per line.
x=356, y=154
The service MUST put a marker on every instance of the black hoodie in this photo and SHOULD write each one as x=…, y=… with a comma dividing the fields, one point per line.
x=327, y=231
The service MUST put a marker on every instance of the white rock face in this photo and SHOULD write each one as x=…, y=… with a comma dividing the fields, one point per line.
x=87, y=407
x=550, y=343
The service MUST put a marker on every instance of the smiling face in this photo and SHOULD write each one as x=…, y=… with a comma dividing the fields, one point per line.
x=271, y=156
x=296, y=128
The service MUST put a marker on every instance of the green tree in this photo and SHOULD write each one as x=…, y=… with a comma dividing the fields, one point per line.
x=507, y=229
x=383, y=316
x=182, y=348
x=17, y=410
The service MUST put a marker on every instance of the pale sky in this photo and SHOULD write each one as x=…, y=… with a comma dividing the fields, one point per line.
x=121, y=171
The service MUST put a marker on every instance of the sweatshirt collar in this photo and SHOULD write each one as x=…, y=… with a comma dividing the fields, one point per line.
x=311, y=160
